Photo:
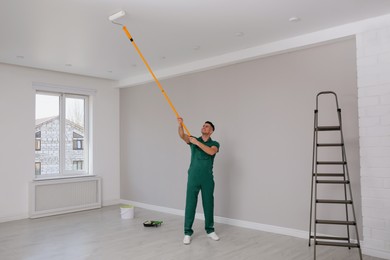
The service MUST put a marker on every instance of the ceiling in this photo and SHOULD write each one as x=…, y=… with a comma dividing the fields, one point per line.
x=75, y=36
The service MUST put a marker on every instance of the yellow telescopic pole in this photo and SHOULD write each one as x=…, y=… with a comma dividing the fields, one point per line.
x=154, y=77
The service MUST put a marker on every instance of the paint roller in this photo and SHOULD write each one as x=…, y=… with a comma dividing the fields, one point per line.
x=120, y=14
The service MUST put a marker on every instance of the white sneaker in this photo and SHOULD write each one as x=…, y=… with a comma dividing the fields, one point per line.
x=213, y=236
x=187, y=240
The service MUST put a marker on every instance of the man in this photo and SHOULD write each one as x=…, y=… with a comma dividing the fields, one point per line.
x=200, y=178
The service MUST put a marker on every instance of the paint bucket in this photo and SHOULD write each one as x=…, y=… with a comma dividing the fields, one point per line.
x=127, y=211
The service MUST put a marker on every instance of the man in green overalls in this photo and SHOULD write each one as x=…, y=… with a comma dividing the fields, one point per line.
x=200, y=178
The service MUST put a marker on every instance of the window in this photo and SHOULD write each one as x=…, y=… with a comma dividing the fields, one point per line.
x=37, y=168
x=77, y=165
x=38, y=141
x=77, y=141
x=61, y=134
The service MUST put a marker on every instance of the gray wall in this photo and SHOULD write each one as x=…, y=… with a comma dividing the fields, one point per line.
x=263, y=112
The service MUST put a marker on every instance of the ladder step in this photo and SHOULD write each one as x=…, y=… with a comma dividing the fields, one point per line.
x=329, y=174
x=332, y=162
x=323, y=243
x=335, y=201
x=330, y=238
x=329, y=144
x=336, y=222
x=328, y=128
x=332, y=182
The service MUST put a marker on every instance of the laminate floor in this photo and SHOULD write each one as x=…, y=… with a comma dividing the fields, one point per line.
x=101, y=234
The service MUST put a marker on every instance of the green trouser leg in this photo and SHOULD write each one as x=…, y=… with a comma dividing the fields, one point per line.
x=208, y=205
x=206, y=186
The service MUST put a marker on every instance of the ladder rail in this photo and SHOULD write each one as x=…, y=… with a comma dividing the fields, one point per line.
x=314, y=173
x=327, y=93
x=348, y=199
x=345, y=167
x=344, y=152
x=315, y=182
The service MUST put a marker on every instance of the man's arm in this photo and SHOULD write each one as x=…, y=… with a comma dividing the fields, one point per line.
x=209, y=150
x=182, y=135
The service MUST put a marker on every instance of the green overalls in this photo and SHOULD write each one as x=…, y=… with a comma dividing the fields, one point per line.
x=200, y=178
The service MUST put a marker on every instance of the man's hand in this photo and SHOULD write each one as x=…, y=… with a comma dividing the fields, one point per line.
x=194, y=141
x=180, y=121
x=181, y=131
x=209, y=150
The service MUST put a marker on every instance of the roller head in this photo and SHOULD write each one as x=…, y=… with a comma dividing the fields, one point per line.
x=116, y=15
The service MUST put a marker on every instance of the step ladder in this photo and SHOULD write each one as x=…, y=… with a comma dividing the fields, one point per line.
x=326, y=172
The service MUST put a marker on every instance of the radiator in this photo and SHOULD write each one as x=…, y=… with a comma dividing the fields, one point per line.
x=52, y=197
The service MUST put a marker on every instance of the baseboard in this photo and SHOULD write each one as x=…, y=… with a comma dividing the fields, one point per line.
x=13, y=218
x=154, y=207
x=263, y=227
x=228, y=221
x=26, y=215
x=110, y=202
x=375, y=252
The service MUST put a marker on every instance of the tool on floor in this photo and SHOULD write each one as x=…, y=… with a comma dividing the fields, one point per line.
x=152, y=223
x=335, y=173
x=120, y=14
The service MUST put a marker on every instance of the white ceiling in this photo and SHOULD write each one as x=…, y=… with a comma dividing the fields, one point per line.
x=76, y=36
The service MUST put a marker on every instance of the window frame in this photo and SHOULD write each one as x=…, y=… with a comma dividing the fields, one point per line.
x=63, y=93
x=86, y=136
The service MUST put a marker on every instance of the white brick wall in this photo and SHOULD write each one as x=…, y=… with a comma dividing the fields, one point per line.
x=373, y=69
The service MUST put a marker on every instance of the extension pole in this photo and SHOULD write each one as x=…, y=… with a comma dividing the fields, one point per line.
x=154, y=77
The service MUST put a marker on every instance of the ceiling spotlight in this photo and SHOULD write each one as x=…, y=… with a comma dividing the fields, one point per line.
x=109, y=71
x=196, y=48
x=294, y=19
x=239, y=34
x=134, y=65
x=20, y=57
x=68, y=65
x=163, y=57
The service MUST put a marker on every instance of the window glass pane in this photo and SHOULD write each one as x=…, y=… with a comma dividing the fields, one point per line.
x=74, y=134
x=47, y=129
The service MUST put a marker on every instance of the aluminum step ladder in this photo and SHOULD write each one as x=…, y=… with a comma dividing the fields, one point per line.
x=325, y=172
